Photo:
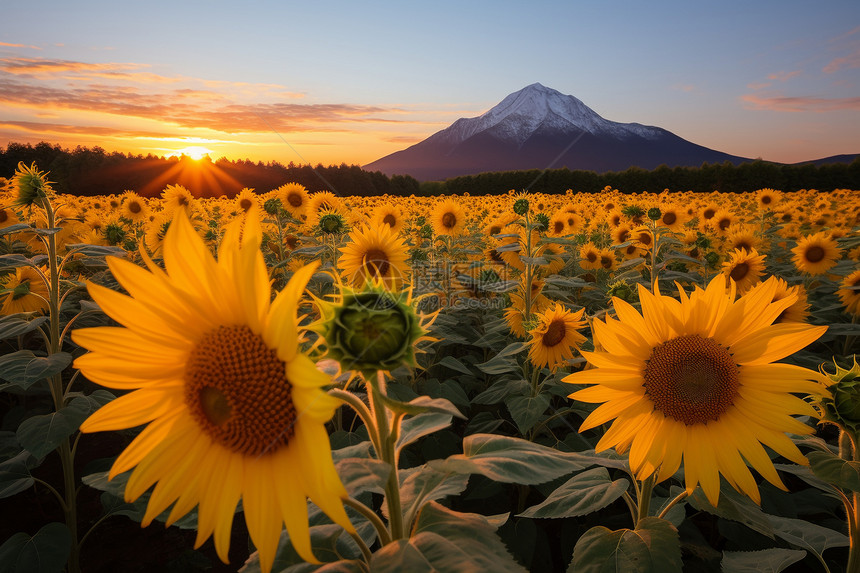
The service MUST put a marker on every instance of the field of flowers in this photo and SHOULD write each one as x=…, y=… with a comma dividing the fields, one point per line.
x=300, y=381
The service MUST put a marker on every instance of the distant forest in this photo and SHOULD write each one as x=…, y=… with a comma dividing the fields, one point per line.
x=93, y=171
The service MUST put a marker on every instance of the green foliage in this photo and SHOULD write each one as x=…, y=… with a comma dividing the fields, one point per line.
x=653, y=547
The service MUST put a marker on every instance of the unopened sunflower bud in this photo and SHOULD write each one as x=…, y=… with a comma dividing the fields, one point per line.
x=371, y=330
x=654, y=214
x=842, y=406
x=32, y=185
x=541, y=222
x=521, y=206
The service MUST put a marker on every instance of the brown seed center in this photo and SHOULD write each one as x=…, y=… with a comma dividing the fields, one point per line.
x=389, y=220
x=558, y=227
x=237, y=391
x=449, y=220
x=814, y=254
x=670, y=218
x=134, y=207
x=294, y=199
x=245, y=204
x=740, y=271
x=691, y=379
x=554, y=333
x=376, y=263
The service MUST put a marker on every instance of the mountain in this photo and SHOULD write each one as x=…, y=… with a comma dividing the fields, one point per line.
x=538, y=128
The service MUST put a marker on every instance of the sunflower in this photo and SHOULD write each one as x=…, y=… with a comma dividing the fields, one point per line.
x=695, y=379
x=174, y=197
x=8, y=217
x=448, y=218
x=621, y=234
x=374, y=252
x=28, y=291
x=589, y=257
x=294, y=198
x=322, y=201
x=797, y=312
x=245, y=199
x=391, y=215
x=768, y=198
x=849, y=293
x=671, y=216
x=815, y=254
x=743, y=237
x=235, y=409
x=555, y=336
x=134, y=207
x=744, y=268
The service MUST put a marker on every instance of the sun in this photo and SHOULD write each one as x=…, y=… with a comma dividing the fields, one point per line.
x=195, y=152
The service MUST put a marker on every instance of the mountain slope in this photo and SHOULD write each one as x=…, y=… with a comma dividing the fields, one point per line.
x=537, y=128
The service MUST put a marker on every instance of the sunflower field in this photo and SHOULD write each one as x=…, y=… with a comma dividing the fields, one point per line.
x=300, y=381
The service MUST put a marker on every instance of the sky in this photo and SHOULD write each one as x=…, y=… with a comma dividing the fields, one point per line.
x=349, y=82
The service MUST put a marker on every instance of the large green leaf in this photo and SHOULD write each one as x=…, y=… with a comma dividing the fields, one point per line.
x=834, y=470
x=423, y=484
x=527, y=410
x=653, y=547
x=511, y=460
x=23, y=368
x=40, y=435
x=363, y=474
x=15, y=474
x=421, y=425
x=807, y=535
x=17, y=324
x=45, y=552
x=502, y=362
x=765, y=561
x=454, y=364
x=445, y=541
x=582, y=494
x=734, y=506
x=501, y=390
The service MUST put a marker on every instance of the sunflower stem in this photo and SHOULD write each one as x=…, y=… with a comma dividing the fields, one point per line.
x=372, y=517
x=677, y=499
x=631, y=505
x=392, y=488
x=363, y=412
x=645, y=498
x=848, y=451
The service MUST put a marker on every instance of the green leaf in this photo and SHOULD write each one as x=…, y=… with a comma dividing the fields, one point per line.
x=23, y=368
x=807, y=535
x=16, y=228
x=16, y=325
x=423, y=484
x=501, y=390
x=45, y=552
x=834, y=470
x=502, y=362
x=445, y=541
x=422, y=404
x=653, y=546
x=40, y=435
x=362, y=474
x=454, y=364
x=734, y=506
x=511, y=460
x=421, y=425
x=766, y=561
x=15, y=474
x=584, y=493
x=527, y=410
x=329, y=543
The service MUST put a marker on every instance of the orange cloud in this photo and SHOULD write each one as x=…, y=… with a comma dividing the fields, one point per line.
x=7, y=44
x=783, y=76
x=849, y=61
x=785, y=103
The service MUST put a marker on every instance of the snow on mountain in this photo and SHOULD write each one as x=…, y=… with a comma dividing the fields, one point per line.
x=522, y=113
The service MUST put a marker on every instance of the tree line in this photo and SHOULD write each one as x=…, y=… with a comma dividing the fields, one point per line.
x=94, y=171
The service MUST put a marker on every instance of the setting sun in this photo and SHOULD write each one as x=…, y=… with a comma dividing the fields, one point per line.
x=196, y=152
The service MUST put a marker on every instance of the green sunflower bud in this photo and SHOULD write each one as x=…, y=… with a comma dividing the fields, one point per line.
x=632, y=211
x=621, y=290
x=842, y=406
x=33, y=186
x=114, y=234
x=21, y=290
x=521, y=206
x=371, y=330
x=272, y=206
x=541, y=222
x=713, y=259
x=654, y=214
x=332, y=223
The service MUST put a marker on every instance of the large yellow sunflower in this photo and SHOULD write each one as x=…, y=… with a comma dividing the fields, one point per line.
x=374, y=252
x=696, y=379
x=744, y=268
x=448, y=218
x=234, y=408
x=815, y=254
x=555, y=336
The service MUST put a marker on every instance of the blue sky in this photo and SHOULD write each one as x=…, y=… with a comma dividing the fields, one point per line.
x=332, y=82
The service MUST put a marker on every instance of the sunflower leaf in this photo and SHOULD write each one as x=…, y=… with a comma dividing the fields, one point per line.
x=734, y=506
x=15, y=474
x=363, y=474
x=511, y=460
x=502, y=389
x=771, y=560
x=807, y=535
x=654, y=546
x=40, y=435
x=45, y=552
x=423, y=484
x=23, y=368
x=421, y=425
x=834, y=470
x=527, y=410
x=446, y=541
x=584, y=493
x=16, y=228
x=16, y=325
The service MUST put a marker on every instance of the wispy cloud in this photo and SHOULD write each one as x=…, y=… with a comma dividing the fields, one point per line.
x=802, y=103
x=850, y=61
x=8, y=45
x=783, y=76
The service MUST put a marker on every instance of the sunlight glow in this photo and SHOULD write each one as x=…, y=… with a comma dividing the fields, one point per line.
x=195, y=152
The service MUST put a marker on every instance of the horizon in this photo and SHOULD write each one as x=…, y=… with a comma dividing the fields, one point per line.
x=782, y=86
